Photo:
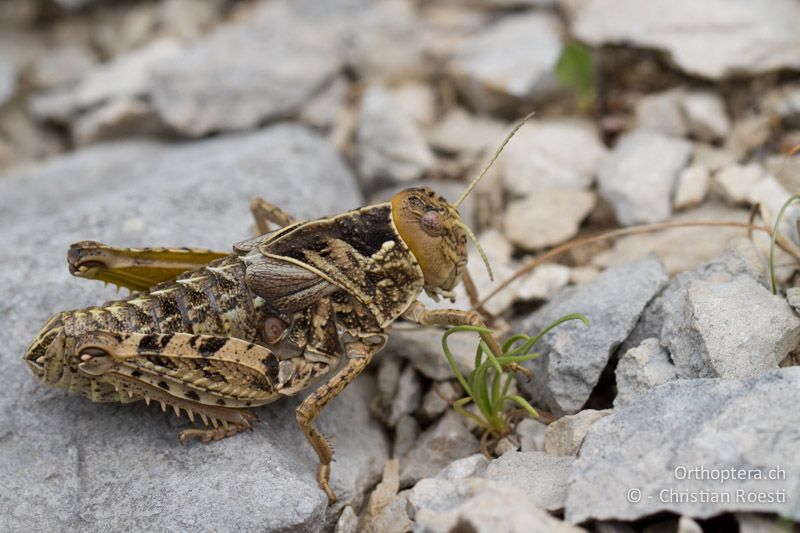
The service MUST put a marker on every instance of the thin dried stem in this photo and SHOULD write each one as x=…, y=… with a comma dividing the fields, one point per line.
x=613, y=234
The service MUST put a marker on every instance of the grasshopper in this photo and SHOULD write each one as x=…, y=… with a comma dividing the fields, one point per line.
x=215, y=334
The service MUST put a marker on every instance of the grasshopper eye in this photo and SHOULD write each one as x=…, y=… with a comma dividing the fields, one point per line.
x=432, y=223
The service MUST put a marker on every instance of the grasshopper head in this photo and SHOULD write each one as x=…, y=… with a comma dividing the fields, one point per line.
x=434, y=232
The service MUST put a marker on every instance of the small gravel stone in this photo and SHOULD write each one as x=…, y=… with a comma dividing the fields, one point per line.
x=749, y=133
x=422, y=347
x=65, y=65
x=541, y=476
x=406, y=431
x=459, y=132
x=550, y=216
x=706, y=116
x=735, y=182
x=391, y=147
x=531, y=435
x=560, y=153
x=447, y=440
x=439, y=397
x=661, y=112
x=245, y=74
x=692, y=187
x=408, y=396
x=417, y=100
x=8, y=81
x=126, y=76
x=641, y=369
x=574, y=355
x=474, y=465
x=484, y=506
x=639, y=176
x=736, y=329
x=543, y=282
x=654, y=444
x=348, y=521
x=565, y=435
x=510, y=61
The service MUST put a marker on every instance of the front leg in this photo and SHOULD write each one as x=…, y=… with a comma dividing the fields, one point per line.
x=359, y=355
x=418, y=313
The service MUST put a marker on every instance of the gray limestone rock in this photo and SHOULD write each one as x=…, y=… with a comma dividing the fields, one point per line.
x=391, y=146
x=510, y=61
x=70, y=463
x=720, y=320
x=673, y=446
x=484, y=505
x=245, y=74
x=641, y=369
x=638, y=178
x=574, y=355
x=565, y=436
x=543, y=477
x=438, y=446
x=713, y=39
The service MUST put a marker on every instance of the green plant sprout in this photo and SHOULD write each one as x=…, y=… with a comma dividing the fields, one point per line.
x=488, y=384
x=575, y=69
x=778, y=219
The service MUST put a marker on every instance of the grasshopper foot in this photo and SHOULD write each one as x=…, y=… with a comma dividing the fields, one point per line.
x=323, y=475
x=207, y=435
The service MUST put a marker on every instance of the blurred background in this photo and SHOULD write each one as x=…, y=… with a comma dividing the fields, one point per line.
x=154, y=122
x=406, y=90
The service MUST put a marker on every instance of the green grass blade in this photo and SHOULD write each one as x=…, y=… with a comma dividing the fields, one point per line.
x=775, y=238
x=524, y=404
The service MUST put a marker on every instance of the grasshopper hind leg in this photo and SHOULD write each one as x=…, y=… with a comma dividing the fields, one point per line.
x=137, y=269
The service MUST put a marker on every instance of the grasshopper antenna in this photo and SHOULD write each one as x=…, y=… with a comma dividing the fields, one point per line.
x=493, y=159
x=478, y=246
x=475, y=182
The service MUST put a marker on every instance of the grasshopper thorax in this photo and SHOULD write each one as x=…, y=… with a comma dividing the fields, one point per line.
x=433, y=230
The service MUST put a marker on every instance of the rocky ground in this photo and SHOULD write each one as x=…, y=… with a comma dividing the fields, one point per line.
x=154, y=122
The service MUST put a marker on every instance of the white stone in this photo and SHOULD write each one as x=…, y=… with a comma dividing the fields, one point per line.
x=548, y=217
x=692, y=186
x=712, y=157
x=706, y=115
x=551, y=153
x=681, y=248
x=543, y=282
x=639, y=176
x=482, y=505
x=709, y=38
x=417, y=100
x=391, y=147
x=749, y=133
x=460, y=132
x=65, y=65
x=661, y=112
x=740, y=329
x=8, y=81
x=126, y=76
x=641, y=369
x=245, y=73
x=511, y=60
x=735, y=182
x=565, y=435
x=531, y=435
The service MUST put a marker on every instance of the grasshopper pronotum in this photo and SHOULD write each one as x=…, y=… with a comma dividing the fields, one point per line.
x=214, y=334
